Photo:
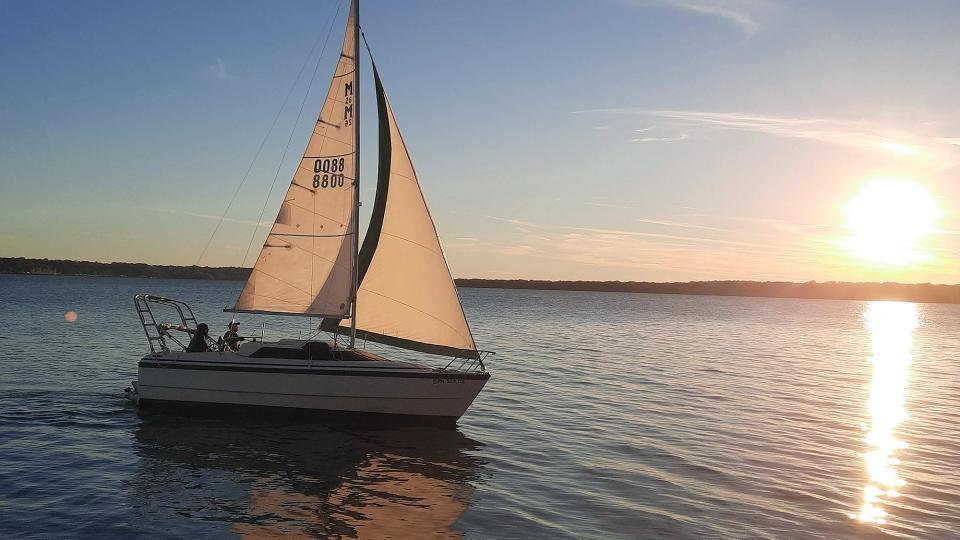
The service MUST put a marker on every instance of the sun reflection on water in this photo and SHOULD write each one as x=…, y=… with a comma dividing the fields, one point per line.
x=891, y=327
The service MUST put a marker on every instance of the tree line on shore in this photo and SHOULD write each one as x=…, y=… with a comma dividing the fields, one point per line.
x=21, y=265
x=831, y=290
x=911, y=292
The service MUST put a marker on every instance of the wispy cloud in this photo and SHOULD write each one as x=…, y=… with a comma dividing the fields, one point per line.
x=218, y=69
x=830, y=130
x=518, y=250
x=941, y=152
x=682, y=137
x=699, y=251
x=669, y=223
x=519, y=224
x=609, y=233
x=741, y=13
x=211, y=217
x=512, y=221
x=701, y=246
x=757, y=223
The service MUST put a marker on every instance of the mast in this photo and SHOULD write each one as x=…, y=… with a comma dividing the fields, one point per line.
x=356, y=173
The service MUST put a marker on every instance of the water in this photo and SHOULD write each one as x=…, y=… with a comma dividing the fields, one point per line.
x=608, y=416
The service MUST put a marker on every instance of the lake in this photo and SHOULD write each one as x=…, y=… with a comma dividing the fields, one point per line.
x=608, y=415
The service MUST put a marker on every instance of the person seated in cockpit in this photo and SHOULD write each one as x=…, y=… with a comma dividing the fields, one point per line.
x=231, y=339
x=200, y=340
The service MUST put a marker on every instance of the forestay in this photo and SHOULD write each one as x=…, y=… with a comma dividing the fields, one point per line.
x=407, y=297
x=305, y=266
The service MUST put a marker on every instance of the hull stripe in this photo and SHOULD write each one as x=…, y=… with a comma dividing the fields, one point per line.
x=314, y=371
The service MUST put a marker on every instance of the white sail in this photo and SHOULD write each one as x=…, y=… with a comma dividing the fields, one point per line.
x=306, y=264
x=407, y=296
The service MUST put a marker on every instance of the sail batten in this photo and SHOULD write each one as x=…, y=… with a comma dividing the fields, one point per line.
x=306, y=264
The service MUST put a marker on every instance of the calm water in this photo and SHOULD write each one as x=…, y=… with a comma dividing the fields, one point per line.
x=608, y=416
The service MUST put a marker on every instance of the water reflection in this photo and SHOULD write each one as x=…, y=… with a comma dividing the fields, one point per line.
x=256, y=479
x=891, y=326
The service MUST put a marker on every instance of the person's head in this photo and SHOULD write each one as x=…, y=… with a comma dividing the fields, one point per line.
x=203, y=329
x=234, y=326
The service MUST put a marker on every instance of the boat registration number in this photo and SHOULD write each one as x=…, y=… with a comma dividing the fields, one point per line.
x=447, y=379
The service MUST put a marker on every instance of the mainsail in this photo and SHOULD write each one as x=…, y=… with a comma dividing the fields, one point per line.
x=407, y=297
x=306, y=264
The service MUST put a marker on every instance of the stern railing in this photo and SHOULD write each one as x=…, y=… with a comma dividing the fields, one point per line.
x=157, y=335
x=469, y=365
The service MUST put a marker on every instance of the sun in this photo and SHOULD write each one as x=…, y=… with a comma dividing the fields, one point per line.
x=889, y=218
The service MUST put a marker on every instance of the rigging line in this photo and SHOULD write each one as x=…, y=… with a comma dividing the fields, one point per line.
x=263, y=142
x=293, y=130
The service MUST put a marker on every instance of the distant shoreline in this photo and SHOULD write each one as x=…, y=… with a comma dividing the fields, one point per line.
x=831, y=290
x=834, y=290
x=20, y=265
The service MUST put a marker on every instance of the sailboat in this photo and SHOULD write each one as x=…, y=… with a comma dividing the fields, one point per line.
x=395, y=289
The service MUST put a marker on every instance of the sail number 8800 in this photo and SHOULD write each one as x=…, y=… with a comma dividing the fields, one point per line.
x=329, y=173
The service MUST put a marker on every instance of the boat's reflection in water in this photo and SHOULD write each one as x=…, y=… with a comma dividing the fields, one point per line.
x=891, y=327
x=257, y=479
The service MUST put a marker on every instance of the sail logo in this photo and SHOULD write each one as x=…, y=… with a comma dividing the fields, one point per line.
x=348, y=104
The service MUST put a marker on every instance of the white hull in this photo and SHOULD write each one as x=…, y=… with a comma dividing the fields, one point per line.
x=370, y=386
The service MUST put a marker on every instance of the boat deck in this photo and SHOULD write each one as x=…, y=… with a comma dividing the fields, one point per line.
x=287, y=354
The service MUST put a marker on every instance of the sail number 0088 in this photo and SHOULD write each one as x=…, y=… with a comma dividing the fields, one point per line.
x=329, y=173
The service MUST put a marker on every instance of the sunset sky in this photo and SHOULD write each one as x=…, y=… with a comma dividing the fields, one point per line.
x=661, y=140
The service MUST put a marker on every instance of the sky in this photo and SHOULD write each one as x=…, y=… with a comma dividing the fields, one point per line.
x=649, y=140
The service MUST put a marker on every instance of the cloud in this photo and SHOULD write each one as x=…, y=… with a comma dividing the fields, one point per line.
x=845, y=132
x=668, y=223
x=677, y=239
x=741, y=13
x=517, y=222
x=682, y=137
x=520, y=225
x=211, y=217
x=940, y=152
x=756, y=223
x=503, y=273
x=522, y=250
x=218, y=69
x=691, y=256
x=764, y=248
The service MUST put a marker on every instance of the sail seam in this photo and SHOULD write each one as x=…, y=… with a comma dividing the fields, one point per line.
x=328, y=156
x=283, y=300
x=333, y=263
x=288, y=203
x=428, y=248
x=281, y=281
x=441, y=321
x=311, y=235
